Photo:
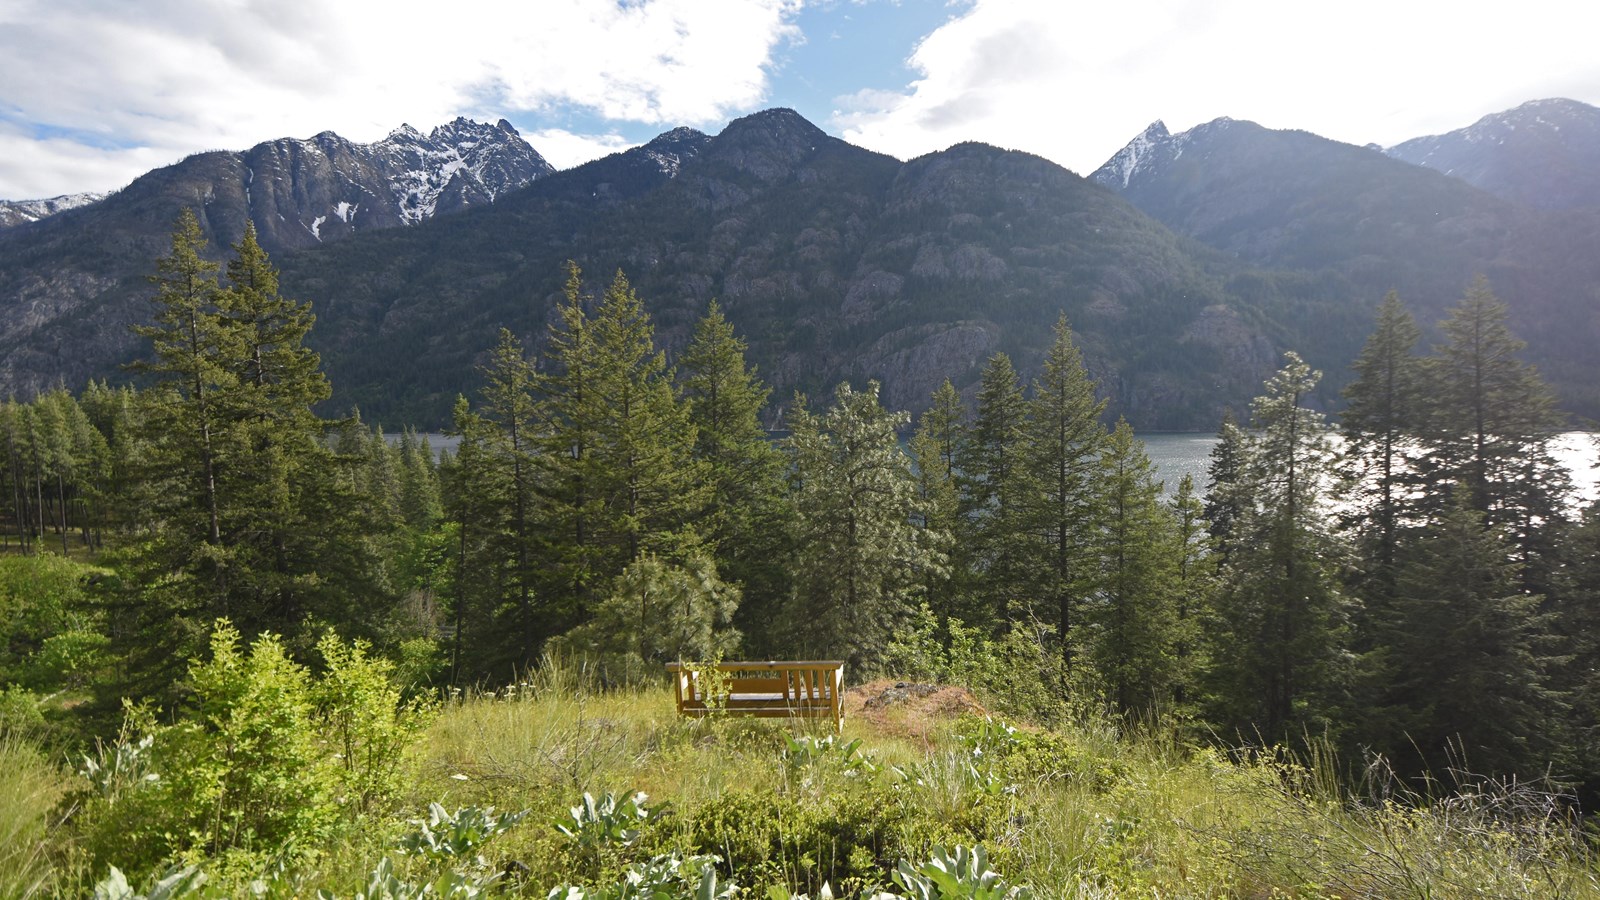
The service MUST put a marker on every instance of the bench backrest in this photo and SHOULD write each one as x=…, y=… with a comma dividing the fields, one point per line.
x=808, y=688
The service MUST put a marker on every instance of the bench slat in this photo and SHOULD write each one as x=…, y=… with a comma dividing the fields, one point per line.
x=767, y=689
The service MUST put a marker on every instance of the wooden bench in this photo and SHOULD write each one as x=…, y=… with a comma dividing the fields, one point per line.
x=806, y=689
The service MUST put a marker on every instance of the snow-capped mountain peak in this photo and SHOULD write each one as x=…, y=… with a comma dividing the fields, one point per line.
x=20, y=212
x=301, y=192
x=1120, y=169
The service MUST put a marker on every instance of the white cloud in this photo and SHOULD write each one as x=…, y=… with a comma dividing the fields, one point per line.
x=109, y=85
x=1073, y=82
x=564, y=149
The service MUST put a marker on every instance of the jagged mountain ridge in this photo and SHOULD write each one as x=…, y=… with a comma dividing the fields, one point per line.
x=21, y=212
x=1290, y=200
x=70, y=282
x=834, y=262
x=1544, y=154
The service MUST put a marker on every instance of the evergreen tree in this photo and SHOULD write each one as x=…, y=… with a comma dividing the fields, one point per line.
x=656, y=613
x=1062, y=461
x=747, y=519
x=1380, y=425
x=860, y=556
x=990, y=540
x=934, y=447
x=1135, y=619
x=1469, y=681
x=622, y=476
x=1224, y=504
x=1489, y=432
x=1282, y=614
x=514, y=428
x=1196, y=584
x=252, y=520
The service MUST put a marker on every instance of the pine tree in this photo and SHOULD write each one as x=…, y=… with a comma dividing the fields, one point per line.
x=1224, y=504
x=1135, y=618
x=1059, y=508
x=860, y=556
x=1282, y=614
x=622, y=475
x=939, y=434
x=747, y=519
x=1469, y=681
x=1380, y=425
x=1489, y=431
x=252, y=519
x=990, y=540
x=1196, y=585
x=511, y=413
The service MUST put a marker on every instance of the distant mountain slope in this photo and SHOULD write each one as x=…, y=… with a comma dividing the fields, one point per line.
x=832, y=260
x=1293, y=200
x=1544, y=154
x=21, y=212
x=68, y=281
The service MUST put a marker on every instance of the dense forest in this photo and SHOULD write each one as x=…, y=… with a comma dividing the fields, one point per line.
x=1414, y=583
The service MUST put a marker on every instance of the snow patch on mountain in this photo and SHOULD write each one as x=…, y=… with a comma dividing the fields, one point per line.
x=1120, y=169
x=20, y=212
x=424, y=167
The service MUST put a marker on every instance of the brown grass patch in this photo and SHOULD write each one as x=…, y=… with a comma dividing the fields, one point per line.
x=909, y=709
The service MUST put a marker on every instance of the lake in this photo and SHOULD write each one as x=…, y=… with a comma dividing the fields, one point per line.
x=1176, y=454
x=1179, y=453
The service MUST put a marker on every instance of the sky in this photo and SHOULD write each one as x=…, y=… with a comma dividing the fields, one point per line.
x=95, y=92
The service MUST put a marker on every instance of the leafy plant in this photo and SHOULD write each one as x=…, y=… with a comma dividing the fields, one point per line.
x=445, y=835
x=384, y=884
x=963, y=875
x=665, y=877
x=608, y=821
x=186, y=881
x=810, y=752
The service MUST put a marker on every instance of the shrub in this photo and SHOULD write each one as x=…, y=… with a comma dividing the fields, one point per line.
x=267, y=761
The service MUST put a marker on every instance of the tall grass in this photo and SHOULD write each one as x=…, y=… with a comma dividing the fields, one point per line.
x=30, y=788
x=1091, y=809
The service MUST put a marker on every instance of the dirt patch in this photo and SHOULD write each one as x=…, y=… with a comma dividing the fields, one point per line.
x=908, y=708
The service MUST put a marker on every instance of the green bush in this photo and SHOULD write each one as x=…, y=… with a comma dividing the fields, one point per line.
x=266, y=762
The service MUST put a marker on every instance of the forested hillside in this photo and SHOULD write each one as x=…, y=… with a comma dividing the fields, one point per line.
x=253, y=610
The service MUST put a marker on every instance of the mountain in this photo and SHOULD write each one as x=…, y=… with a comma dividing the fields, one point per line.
x=69, y=282
x=833, y=261
x=21, y=212
x=836, y=262
x=1358, y=223
x=1544, y=154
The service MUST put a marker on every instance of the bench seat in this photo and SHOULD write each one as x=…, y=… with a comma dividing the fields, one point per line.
x=765, y=689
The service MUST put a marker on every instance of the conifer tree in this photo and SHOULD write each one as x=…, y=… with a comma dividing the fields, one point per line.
x=990, y=542
x=860, y=557
x=1380, y=424
x=939, y=435
x=1225, y=479
x=1135, y=618
x=1469, y=682
x=1490, y=430
x=252, y=518
x=1282, y=615
x=1062, y=460
x=1196, y=583
x=746, y=524
x=622, y=476
x=510, y=412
